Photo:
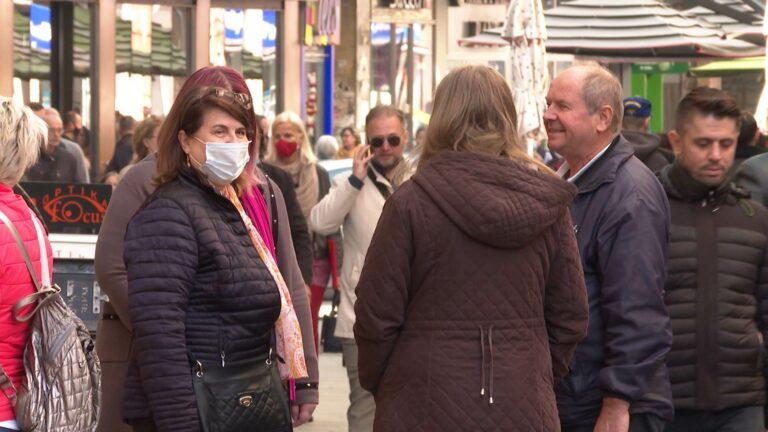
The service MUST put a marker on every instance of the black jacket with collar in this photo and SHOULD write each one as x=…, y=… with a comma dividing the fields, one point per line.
x=717, y=294
x=196, y=285
x=621, y=219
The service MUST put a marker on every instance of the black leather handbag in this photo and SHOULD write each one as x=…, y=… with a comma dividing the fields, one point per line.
x=241, y=397
x=330, y=342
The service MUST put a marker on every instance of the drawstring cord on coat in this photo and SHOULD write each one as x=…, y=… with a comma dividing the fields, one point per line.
x=490, y=348
x=482, y=364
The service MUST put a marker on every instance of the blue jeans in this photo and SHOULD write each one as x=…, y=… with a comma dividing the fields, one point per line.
x=739, y=419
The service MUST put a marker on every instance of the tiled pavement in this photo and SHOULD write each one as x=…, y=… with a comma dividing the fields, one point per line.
x=331, y=413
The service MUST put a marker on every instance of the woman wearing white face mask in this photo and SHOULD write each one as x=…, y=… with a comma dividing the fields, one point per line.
x=214, y=327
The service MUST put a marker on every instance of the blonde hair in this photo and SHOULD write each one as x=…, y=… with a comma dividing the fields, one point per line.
x=473, y=111
x=305, y=148
x=22, y=134
x=142, y=131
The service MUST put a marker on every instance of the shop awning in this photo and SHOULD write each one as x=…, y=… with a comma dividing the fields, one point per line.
x=726, y=67
x=640, y=29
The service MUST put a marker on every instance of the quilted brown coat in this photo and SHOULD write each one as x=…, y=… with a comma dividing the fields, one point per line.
x=471, y=300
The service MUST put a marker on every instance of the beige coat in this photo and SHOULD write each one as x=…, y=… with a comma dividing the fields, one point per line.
x=114, y=337
x=357, y=211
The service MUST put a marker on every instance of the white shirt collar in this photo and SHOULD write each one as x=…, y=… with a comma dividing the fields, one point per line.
x=564, y=168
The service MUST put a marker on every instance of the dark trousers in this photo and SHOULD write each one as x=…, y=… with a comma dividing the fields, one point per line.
x=739, y=419
x=637, y=423
x=143, y=425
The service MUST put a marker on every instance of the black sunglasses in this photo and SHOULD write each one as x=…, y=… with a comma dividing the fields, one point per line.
x=393, y=140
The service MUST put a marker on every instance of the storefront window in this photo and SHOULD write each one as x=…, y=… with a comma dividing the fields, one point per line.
x=250, y=49
x=53, y=39
x=315, y=76
x=401, y=70
x=152, y=47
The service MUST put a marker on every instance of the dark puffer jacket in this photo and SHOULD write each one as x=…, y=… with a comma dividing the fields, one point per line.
x=648, y=149
x=716, y=293
x=471, y=300
x=195, y=284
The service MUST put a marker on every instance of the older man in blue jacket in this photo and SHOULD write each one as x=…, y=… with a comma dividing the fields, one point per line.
x=619, y=380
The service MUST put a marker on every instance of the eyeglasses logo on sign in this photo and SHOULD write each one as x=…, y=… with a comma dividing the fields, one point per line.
x=74, y=204
x=70, y=207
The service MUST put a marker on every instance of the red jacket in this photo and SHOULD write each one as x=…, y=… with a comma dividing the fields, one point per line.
x=15, y=283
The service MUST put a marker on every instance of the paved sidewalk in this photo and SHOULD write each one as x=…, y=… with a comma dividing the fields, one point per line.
x=331, y=413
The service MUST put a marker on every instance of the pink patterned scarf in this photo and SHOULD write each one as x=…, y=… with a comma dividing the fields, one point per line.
x=290, y=346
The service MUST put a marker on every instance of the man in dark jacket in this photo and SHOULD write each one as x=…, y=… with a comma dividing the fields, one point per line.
x=752, y=175
x=124, y=147
x=60, y=160
x=618, y=379
x=717, y=288
x=748, y=144
x=634, y=127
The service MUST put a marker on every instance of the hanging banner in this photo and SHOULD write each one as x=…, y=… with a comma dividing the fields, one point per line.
x=322, y=23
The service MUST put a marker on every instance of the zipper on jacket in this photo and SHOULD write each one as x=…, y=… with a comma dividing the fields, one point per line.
x=221, y=346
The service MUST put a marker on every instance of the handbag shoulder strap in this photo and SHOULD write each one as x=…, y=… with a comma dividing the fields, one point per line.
x=22, y=248
x=383, y=190
x=42, y=290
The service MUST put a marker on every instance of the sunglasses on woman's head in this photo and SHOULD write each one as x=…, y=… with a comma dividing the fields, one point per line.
x=393, y=140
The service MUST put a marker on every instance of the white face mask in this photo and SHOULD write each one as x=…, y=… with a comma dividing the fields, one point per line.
x=224, y=162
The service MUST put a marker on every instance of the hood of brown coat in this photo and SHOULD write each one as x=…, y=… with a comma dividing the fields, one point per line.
x=492, y=199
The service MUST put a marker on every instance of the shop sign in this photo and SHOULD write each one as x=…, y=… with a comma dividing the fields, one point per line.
x=233, y=30
x=403, y=12
x=408, y=4
x=68, y=207
x=40, y=27
x=269, y=30
x=661, y=68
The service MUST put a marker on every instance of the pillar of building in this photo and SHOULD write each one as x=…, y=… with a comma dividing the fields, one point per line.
x=6, y=48
x=290, y=50
x=363, y=49
x=440, y=39
x=345, y=91
x=103, y=94
x=202, y=34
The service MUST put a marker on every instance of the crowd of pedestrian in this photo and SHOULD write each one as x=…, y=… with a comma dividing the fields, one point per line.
x=617, y=280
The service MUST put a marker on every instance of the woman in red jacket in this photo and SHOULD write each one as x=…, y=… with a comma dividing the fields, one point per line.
x=21, y=135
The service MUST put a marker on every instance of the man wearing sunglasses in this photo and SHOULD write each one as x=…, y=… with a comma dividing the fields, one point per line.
x=355, y=202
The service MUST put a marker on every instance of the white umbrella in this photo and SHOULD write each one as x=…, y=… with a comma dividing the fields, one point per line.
x=761, y=112
x=524, y=28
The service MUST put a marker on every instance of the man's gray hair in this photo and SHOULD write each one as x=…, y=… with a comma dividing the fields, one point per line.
x=601, y=88
x=326, y=147
x=49, y=114
x=22, y=134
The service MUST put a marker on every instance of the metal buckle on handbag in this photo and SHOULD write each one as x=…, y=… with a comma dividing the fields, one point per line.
x=246, y=401
x=198, y=369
